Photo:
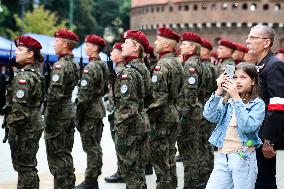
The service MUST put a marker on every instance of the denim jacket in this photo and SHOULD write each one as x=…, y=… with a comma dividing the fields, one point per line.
x=249, y=119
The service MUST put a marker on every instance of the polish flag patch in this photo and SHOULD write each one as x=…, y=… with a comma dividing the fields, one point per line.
x=157, y=68
x=124, y=77
x=86, y=71
x=191, y=70
x=22, y=81
x=57, y=66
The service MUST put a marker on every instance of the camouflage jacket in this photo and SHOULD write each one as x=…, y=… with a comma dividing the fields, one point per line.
x=93, y=86
x=26, y=94
x=64, y=77
x=208, y=85
x=129, y=94
x=192, y=83
x=167, y=84
x=221, y=66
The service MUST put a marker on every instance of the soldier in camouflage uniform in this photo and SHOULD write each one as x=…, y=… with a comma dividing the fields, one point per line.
x=163, y=114
x=239, y=53
x=23, y=117
x=208, y=86
x=129, y=103
x=225, y=52
x=59, y=114
x=117, y=58
x=191, y=108
x=90, y=109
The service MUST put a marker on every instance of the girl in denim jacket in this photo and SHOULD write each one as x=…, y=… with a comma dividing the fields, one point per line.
x=238, y=117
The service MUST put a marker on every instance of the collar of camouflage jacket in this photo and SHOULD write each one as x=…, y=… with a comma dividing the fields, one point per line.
x=186, y=57
x=165, y=53
x=129, y=59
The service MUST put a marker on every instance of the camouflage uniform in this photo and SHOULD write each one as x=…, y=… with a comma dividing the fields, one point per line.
x=191, y=115
x=25, y=124
x=59, y=120
x=118, y=69
x=206, y=150
x=90, y=112
x=144, y=149
x=222, y=65
x=164, y=120
x=129, y=123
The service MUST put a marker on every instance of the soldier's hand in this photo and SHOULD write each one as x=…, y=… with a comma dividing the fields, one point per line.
x=220, y=81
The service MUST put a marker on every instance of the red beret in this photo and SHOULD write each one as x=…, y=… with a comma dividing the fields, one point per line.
x=117, y=46
x=188, y=36
x=138, y=36
x=27, y=41
x=241, y=47
x=214, y=54
x=95, y=39
x=66, y=34
x=168, y=33
x=206, y=44
x=150, y=49
x=281, y=50
x=227, y=43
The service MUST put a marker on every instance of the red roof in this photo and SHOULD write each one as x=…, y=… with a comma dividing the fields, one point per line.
x=141, y=3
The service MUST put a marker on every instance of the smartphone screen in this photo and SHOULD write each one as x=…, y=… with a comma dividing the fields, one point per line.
x=230, y=71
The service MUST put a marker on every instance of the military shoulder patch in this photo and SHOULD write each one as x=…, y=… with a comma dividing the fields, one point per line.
x=191, y=70
x=157, y=68
x=124, y=76
x=22, y=81
x=86, y=71
x=57, y=66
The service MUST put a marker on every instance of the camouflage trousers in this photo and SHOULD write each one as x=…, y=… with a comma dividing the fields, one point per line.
x=189, y=142
x=91, y=134
x=128, y=144
x=162, y=149
x=24, y=147
x=112, y=132
x=206, y=150
x=59, y=147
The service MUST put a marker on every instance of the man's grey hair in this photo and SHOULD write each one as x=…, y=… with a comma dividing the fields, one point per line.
x=267, y=32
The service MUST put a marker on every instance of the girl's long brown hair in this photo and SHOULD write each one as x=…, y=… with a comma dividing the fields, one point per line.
x=251, y=71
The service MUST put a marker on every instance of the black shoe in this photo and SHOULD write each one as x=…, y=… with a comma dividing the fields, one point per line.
x=179, y=158
x=115, y=178
x=88, y=185
x=148, y=170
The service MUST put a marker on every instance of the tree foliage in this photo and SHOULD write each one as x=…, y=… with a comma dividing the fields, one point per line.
x=38, y=21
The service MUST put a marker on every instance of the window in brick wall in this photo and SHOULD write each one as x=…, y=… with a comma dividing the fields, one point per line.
x=252, y=7
x=195, y=7
x=235, y=6
x=245, y=6
x=224, y=6
x=186, y=7
x=265, y=7
x=204, y=6
x=171, y=9
x=213, y=7
x=277, y=7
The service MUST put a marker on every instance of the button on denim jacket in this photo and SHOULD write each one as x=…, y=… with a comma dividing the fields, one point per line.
x=249, y=119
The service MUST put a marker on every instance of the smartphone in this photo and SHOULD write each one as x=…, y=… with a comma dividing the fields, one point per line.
x=230, y=71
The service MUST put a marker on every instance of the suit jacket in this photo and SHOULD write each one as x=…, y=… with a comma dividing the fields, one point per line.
x=271, y=74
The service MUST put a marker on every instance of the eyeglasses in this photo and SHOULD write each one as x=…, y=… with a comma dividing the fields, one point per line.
x=255, y=37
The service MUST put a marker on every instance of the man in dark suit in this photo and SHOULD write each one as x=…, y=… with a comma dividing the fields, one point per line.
x=271, y=73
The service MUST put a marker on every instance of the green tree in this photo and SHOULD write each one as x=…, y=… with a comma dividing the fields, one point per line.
x=39, y=21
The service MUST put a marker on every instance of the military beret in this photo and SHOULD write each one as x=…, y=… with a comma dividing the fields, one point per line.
x=227, y=43
x=66, y=34
x=95, y=39
x=138, y=36
x=188, y=36
x=150, y=49
x=206, y=44
x=241, y=47
x=168, y=33
x=214, y=54
x=281, y=50
x=117, y=46
x=27, y=41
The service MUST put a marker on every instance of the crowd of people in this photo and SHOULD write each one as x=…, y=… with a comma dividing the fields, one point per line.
x=187, y=95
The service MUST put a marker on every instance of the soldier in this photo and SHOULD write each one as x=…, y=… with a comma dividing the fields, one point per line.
x=117, y=58
x=23, y=117
x=225, y=52
x=280, y=54
x=129, y=121
x=239, y=53
x=208, y=86
x=90, y=109
x=59, y=114
x=191, y=108
x=163, y=114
